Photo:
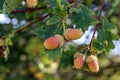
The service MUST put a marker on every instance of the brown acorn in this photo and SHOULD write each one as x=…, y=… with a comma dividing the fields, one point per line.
x=79, y=59
x=54, y=42
x=31, y=3
x=92, y=63
x=73, y=34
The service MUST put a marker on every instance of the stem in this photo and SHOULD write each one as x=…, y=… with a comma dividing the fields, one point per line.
x=96, y=26
x=21, y=10
x=27, y=26
x=86, y=51
x=63, y=23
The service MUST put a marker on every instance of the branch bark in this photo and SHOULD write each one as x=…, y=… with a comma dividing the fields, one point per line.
x=28, y=25
x=22, y=10
x=97, y=25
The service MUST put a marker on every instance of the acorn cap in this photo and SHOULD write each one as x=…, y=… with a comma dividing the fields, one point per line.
x=60, y=40
x=78, y=54
x=2, y=42
x=66, y=34
x=91, y=58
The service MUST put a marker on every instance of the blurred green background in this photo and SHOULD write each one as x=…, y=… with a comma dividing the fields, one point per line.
x=25, y=62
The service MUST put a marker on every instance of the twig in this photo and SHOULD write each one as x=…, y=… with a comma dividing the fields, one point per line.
x=28, y=25
x=22, y=10
x=96, y=26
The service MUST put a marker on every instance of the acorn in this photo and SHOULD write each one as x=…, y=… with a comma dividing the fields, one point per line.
x=92, y=63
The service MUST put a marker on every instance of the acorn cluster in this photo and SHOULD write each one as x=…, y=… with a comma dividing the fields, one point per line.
x=57, y=41
x=91, y=61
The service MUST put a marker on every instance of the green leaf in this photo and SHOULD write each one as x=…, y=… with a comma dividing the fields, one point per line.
x=10, y=5
x=31, y=15
x=6, y=52
x=82, y=17
x=64, y=2
x=67, y=57
x=105, y=32
x=1, y=4
x=8, y=39
x=105, y=36
x=52, y=3
x=107, y=24
x=54, y=54
x=58, y=7
x=8, y=42
x=46, y=31
x=98, y=46
x=109, y=47
x=53, y=20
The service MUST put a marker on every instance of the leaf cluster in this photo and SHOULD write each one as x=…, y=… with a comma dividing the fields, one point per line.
x=59, y=12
